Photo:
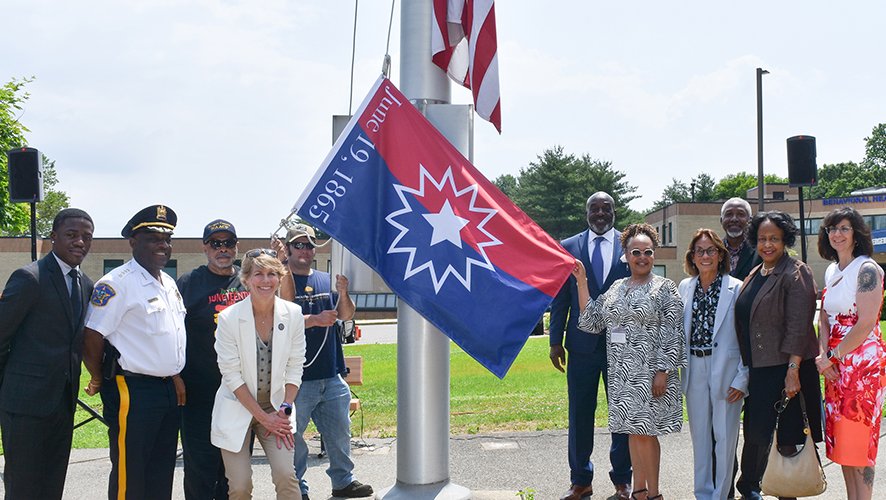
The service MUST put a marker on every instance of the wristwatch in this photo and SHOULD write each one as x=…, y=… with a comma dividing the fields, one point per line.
x=287, y=408
x=832, y=356
x=793, y=366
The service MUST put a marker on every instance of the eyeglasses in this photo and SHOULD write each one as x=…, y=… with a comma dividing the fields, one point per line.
x=838, y=229
x=216, y=244
x=775, y=240
x=300, y=245
x=636, y=252
x=710, y=252
x=260, y=251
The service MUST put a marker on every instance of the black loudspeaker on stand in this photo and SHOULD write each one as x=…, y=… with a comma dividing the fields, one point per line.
x=802, y=171
x=25, y=175
x=25, y=168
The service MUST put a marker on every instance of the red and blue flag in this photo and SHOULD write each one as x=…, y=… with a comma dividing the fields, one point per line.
x=400, y=197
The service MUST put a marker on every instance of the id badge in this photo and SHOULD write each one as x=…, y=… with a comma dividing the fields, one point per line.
x=618, y=335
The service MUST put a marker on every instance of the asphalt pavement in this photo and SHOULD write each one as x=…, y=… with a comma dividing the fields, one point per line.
x=493, y=466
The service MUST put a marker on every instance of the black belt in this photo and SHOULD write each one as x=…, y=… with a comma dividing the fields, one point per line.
x=701, y=352
x=127, y=373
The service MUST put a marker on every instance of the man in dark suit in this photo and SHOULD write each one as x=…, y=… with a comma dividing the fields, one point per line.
x=599, y=249
x=735, y=215
x=41, y=346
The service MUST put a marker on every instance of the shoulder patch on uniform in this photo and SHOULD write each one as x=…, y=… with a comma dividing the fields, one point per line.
x=102, y=294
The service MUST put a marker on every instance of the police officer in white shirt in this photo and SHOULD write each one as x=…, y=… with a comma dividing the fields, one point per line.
x=134, y=351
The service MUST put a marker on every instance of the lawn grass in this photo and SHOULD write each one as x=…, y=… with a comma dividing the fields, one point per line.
x=531, y=397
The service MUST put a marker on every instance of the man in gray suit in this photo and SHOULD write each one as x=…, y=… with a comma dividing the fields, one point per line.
x=41, y=346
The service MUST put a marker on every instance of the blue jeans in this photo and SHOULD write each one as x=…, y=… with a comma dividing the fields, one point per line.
x=326, y=401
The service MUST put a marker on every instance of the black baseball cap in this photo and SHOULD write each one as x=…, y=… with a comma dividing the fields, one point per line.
x=218, y=226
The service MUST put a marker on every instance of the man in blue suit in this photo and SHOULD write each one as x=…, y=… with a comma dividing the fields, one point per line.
x=599, y=249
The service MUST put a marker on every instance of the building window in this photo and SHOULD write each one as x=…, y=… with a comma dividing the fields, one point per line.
x=812, y=226
x=660, y=271
x=375, y=301
x=879, y=222
x=109, y=265
x=171, y=268
x=670, y=232
x=778, y=195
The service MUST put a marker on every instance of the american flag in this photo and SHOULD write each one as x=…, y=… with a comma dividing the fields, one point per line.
x=463, y=44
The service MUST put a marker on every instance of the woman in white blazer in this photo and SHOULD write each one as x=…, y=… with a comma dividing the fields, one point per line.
x=260, y=343
x=714, y=380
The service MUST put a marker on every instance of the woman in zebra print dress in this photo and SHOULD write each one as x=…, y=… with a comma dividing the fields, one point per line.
x=642, y=316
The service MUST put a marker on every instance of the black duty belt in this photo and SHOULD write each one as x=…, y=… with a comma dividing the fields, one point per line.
x=127, y=373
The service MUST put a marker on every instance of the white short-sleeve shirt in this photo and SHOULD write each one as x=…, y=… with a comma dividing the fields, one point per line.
x=142, y=317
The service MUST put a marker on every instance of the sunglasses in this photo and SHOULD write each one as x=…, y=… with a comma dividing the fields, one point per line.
x=216, y=244
x=300, y=245
x=260, y=251
x=637, y=252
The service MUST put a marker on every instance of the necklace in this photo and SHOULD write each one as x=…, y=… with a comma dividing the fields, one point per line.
x=766, y=271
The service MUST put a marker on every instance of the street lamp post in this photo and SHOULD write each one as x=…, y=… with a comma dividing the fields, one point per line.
x=760, y=73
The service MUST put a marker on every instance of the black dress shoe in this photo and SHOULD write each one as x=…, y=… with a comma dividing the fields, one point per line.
x=354, y=490
x=304, y=496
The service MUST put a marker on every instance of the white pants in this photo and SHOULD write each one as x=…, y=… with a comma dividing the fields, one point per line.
x=711, y=420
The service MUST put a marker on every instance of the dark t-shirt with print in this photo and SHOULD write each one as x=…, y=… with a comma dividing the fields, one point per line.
x=324, y=357
x=205, y=294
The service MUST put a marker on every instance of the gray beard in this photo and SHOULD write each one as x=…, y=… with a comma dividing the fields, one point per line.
x=734, y=234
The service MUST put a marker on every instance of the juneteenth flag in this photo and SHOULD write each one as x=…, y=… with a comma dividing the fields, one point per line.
x=400, y=197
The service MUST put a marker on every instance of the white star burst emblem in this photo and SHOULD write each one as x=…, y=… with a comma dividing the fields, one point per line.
x=446, y=227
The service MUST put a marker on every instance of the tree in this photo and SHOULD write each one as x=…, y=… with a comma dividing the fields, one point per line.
x=507, y=183
x=875, y=154
x=737, y=185
x=15, y=217
x=553, y=191
x=677, y=191
x=840, y=179
x=704, y=187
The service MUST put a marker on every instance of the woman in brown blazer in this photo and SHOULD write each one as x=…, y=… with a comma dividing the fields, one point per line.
x=773, y=315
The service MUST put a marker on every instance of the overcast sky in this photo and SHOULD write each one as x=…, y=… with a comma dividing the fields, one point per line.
x=223, y=108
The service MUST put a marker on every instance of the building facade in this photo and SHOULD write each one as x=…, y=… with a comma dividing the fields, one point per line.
x=677, y=222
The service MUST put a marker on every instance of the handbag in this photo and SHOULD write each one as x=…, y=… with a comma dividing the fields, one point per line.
x=798, y=475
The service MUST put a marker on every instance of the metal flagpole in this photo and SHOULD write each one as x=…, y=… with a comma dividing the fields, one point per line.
x=422, y=350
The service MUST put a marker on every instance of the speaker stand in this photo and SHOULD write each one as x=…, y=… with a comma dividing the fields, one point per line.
x=33, y=230
x=802, y=227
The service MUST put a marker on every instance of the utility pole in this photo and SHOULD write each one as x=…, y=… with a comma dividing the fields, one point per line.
x=760, y=186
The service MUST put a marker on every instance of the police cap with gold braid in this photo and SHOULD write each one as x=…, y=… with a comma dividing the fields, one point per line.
x=156, y=218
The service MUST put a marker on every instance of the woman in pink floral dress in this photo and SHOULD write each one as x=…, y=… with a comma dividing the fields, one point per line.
x=853, y=354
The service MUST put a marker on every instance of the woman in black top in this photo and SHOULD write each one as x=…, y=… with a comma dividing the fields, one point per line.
x=773, y=315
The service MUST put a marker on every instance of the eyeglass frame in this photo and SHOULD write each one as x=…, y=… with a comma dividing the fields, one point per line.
x=710, y=251
x=227, y=243
x=301, y=245
x=844, y=230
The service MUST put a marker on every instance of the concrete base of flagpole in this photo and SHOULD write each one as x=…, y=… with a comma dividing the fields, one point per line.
x=444, y=490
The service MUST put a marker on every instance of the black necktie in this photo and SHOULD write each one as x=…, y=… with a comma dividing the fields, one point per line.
x=76, y=298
